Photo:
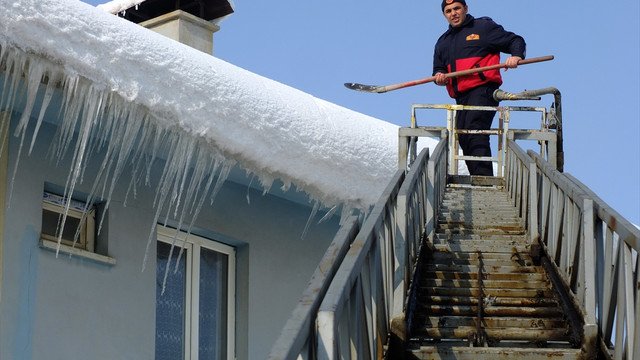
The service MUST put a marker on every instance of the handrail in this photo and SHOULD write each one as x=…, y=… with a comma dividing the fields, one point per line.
x=521, y=183
x=412, y=220
x=355, y=316
x=548, y=139
x=617, y=244
x=297, y=339
x=595, y=251
x=565, y=223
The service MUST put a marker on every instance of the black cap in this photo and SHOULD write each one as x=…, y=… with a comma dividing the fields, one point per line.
x=449, y=2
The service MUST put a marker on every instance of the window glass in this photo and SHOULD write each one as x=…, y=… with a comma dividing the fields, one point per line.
x=170, y=306
x=195, y=315
x=213, y=304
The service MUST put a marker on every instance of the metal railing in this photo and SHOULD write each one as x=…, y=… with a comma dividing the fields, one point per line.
x=371, y=286
x=298, y=338
x=355, y=316
x=596, y=252
x=591, y=247
x=369, y=300
x=546, y=134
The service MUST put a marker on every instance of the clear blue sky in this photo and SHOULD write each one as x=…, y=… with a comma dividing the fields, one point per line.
x=318, y=46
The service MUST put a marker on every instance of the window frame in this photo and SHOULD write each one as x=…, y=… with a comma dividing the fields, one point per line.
x=77, y=210
x=193, y=244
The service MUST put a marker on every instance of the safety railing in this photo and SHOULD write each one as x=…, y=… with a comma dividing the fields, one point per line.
x=617, y=284
x=546, y=134
x=298, y=338
x=591, y=247
x=566, y=225
x=419, y=198
x=370, y=287
x=355, y=316
x=521, y=180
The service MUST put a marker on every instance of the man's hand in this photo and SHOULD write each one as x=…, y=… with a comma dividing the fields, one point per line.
x=512, y=62
x=441, y=79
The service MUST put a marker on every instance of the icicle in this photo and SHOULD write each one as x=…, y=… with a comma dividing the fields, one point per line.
x=316, y=206
x=249, y=189
x=51, y=85
x=329, y=214
x=98, y=127
x=166, y=270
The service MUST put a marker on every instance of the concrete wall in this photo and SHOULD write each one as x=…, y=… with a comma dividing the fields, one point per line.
x=73, y=308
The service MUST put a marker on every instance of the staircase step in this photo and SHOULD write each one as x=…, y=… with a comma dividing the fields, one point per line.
x=492, y=237
x=487, y=284
x=489, y=250
x=474, y=255
x=464, y=332
x=491, y=353
x=511, y=311
x=494, y=322
x=486, y=268
x=513, y=293
x=498, y=301
x=486, y=231
x=495, y=276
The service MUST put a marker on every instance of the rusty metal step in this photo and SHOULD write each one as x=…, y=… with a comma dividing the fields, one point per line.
x=490, y=269
x=505, y=228
x=504, y=311
x=488, y=284
x=465, y=237
x=445, y=260
x=509, y=250
x=462, y=352
x=485, y=247
x=512, y=293
x=499, y=301
x=494, y=322
x=485, y=231
x=495, y=276
x=464, y=332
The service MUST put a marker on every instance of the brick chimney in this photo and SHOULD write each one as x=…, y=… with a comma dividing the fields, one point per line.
x=191, y=22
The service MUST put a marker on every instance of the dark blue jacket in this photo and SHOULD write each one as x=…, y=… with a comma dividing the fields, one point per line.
x=477, y=42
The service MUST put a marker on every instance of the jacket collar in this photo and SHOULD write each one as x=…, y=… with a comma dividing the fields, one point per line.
x=467, y=20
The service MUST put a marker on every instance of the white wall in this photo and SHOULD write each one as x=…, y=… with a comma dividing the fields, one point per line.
x=72, y=308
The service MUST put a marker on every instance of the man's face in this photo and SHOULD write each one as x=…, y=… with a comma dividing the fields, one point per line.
x=455, y=13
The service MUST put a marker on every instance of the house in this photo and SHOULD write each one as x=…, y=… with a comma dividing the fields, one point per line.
x=160, y=154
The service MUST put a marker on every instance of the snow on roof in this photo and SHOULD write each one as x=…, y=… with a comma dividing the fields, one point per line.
x=336, y=155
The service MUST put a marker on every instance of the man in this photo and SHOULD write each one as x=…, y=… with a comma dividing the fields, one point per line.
x=473, y=42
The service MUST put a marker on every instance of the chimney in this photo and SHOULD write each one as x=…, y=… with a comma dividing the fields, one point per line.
x=185, y=28
x=191, y=22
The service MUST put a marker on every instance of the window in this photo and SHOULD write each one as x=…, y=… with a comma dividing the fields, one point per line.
x=195, y=315
x=80, y=221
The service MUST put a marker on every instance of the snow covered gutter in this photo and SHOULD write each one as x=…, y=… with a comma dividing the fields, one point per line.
x=216, y=112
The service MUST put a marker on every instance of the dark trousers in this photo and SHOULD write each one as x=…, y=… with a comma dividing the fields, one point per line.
x=472, y=144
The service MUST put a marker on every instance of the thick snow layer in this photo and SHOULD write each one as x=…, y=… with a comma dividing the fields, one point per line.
x=336, y=155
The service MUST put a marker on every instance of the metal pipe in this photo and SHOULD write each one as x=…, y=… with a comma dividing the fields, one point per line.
x=558, y=115
x=500, y=95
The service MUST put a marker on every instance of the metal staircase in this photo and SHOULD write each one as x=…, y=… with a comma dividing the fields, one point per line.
x=481, y=290
x=530, y=264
